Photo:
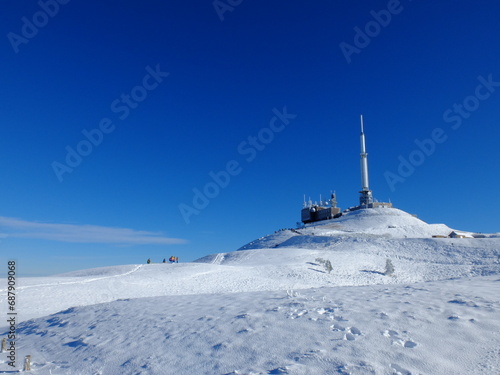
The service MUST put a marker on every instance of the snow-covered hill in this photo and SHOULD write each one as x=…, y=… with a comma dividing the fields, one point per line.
x=273, y=308
x=367, y=223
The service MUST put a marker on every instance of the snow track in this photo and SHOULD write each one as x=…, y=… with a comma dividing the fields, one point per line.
x=218, y=258
x=84, y=281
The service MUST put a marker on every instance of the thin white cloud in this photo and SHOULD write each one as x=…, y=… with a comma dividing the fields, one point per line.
x=18, y=228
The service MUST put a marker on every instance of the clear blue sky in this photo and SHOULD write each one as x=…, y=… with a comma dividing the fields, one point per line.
x=175, y=89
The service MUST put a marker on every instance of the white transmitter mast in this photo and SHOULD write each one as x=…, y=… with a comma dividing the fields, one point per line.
x=366, y=198
x=326, y=211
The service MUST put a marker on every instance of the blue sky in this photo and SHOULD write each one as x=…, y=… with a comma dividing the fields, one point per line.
x=152, y=99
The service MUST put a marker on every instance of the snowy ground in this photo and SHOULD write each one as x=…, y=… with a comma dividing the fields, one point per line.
x=274, y=309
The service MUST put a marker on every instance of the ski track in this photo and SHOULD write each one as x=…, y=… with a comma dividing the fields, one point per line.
x=77, y=282
x=218, y=258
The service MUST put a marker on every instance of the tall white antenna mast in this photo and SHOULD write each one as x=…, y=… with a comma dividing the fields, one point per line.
x=366, y=194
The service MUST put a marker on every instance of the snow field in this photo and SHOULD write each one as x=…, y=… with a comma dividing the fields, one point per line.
x=273, y=308
x=447, y=327
x=355, y=262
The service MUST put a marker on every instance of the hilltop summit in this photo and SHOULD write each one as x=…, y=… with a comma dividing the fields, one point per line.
x=368, y=222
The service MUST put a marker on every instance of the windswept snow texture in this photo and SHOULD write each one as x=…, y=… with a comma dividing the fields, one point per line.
x=273, y=308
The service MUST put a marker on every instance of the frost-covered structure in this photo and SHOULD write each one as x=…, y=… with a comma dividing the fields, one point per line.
x=326, y=211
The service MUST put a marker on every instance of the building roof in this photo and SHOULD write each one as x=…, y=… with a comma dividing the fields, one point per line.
x=458, y=233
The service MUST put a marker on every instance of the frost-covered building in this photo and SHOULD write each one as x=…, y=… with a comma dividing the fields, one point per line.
x=322, y=211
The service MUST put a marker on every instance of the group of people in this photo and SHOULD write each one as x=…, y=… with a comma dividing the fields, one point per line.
x=172, y=259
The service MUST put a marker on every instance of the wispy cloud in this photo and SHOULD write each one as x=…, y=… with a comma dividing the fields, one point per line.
x=18, y=228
